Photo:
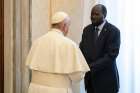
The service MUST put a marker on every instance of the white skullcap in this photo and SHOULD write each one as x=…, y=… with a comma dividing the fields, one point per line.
x=58, y=17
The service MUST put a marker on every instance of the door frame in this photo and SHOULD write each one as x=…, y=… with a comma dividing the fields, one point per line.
x=2, y=46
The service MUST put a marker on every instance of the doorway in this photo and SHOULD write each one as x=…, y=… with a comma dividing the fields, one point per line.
x=1, y=46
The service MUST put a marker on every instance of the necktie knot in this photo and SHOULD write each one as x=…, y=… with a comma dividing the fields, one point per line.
x=96, y=29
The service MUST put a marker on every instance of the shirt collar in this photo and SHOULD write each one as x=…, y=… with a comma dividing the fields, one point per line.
x=102, y=25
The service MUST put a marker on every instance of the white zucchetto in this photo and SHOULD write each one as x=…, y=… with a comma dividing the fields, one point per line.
x=58, y=17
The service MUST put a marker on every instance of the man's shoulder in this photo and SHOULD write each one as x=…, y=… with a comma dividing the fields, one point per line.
x=111, y=27
x=88, y=28
x=70, y=42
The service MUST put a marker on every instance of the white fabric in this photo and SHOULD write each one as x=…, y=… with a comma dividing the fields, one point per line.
x=51, y=79
x=58, y=17
x=36, y=88
x=55, y=53
x=77, y=76
x=56, y=62
x=53, y=83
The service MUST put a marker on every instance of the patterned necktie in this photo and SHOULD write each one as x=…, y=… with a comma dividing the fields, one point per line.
x=96, y=29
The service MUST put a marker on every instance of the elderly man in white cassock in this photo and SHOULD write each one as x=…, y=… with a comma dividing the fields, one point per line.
x=55, y=61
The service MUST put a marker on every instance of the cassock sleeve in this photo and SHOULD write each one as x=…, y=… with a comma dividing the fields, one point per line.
x=77, y=76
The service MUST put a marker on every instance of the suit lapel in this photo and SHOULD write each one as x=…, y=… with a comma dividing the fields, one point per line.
x=104, y=30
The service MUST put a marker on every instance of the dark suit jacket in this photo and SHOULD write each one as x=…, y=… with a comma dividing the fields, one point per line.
x=101, y=55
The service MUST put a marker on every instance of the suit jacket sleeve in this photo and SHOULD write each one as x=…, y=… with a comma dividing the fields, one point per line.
x=82, y=45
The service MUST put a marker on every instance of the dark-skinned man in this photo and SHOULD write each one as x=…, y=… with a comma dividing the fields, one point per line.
x=100, y=45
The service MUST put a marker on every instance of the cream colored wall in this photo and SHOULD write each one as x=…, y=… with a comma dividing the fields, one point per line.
x=40, y=13
x=79, y=11
x=75, y=9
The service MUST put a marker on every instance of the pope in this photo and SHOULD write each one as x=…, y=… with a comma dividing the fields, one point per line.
x=55, y=60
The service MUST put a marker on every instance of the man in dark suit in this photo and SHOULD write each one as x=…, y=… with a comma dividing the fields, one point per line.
x=100, y=45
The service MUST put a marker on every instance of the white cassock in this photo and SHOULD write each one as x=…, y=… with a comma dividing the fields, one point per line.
x=56, y=62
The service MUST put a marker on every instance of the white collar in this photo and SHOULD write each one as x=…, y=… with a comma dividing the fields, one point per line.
x=57, y=30
x=102, y=25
